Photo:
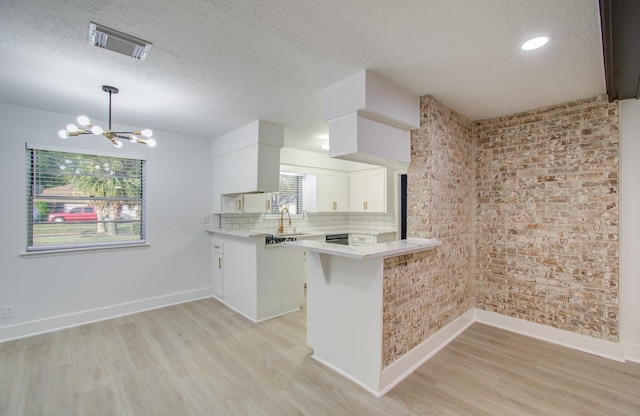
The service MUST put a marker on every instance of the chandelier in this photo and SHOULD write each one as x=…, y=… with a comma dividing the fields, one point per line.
x=136, y=136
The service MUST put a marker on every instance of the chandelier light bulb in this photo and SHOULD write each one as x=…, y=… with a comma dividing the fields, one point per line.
x=135, y=136
x=83, y=120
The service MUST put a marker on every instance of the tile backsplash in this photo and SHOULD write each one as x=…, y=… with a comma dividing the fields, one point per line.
x=310, y=221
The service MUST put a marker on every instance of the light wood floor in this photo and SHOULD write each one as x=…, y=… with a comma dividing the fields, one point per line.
x=200, y=358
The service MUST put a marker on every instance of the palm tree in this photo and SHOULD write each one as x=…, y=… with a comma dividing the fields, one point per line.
x=108, y=183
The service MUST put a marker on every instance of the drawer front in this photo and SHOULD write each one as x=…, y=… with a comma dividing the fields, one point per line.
x=217, y=246
x=362, y=239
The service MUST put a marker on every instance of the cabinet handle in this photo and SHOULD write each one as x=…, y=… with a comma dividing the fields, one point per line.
x=335, y=205
x=239, y=205
x=268, y=204
x=364, y=205
x=219, y=263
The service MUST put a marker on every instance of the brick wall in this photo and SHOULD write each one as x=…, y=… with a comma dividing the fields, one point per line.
x=547, y=216
x=424, y=292
x=527, y=208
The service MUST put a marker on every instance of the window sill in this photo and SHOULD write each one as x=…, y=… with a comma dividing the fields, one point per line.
x=69, y=251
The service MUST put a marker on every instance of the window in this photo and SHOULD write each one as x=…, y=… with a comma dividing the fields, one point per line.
x=289, y=195
x=79, y=200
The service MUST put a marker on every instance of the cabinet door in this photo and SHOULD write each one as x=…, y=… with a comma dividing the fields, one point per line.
x=231, y=204
x=358, y=192
x=260, y=202
x=217, y=274
x=367, y=191
x=333, y=192
x=376, y=191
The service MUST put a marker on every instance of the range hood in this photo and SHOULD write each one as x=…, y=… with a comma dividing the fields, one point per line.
x=246, y=160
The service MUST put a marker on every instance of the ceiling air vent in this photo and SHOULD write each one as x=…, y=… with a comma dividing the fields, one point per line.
x=113, y=40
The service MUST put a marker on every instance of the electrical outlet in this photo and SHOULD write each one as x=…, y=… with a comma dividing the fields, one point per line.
x=205, y=220
x=7, y=312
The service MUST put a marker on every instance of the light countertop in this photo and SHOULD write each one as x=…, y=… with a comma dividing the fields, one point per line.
x=301, y=235
x=367, y=251
x=238, y=233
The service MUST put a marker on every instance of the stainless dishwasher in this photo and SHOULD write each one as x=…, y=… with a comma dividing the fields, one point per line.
x=337, y=239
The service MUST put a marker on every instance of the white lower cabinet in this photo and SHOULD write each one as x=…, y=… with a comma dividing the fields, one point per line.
x=258, y=281
x=217, y=268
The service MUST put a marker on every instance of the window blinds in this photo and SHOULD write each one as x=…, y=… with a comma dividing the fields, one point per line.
x=289, y=194
x=79, y=200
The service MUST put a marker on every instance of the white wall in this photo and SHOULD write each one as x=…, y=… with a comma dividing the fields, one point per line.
x=52, y=292
x=630, y=228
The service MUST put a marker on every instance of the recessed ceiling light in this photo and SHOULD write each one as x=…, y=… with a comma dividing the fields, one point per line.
x=324, y=146
x=534, y=43
x=322, y=136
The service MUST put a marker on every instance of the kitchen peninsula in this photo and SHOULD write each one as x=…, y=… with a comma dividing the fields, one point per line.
x=345, y=304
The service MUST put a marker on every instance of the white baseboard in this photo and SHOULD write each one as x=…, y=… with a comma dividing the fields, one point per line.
x=631, y=352
x=347, y=376
x=255, y=321
x=239, y=312
x=41, y=326
x=408, y=363
x=584, y=343
x=278, y=314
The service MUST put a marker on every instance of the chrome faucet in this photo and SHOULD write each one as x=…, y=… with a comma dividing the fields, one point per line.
x=281, y=228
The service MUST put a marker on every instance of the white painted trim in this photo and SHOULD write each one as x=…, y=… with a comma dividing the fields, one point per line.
x=631, y=352
x=279, y=314
x=41, y=326
x=83, y=249
x=65, y=149
x=347, y=376
x=584, y=343
x=409, y=362
x=221, y=300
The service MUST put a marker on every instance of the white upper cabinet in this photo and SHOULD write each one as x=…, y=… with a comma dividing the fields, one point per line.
x=259, y=202
x=333, y=191
x=231, y=204
x=368, y=190
x=247, y=203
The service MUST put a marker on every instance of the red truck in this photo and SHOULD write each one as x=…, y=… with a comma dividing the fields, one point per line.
x=76, y=214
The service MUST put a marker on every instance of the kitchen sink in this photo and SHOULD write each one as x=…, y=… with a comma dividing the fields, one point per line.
x=281, y=238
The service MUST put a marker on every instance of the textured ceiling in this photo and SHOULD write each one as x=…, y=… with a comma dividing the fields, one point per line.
x=217, y=65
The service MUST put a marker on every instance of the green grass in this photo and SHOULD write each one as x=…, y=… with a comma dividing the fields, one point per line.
x=47, y=234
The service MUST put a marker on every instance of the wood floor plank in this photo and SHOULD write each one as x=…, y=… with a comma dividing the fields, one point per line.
x=201, y=358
